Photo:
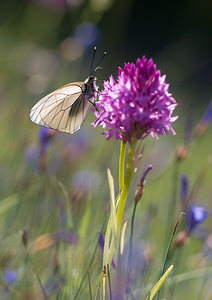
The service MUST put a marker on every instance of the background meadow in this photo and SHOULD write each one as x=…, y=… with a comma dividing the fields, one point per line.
x=54, y=195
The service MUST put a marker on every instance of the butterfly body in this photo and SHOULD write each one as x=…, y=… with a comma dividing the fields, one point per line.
x=66, y=108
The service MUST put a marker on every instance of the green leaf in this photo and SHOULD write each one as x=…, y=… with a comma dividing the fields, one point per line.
x=159, y=284
x=8, y=203
x=67, y=202
x=112, y=203
x=123, y=237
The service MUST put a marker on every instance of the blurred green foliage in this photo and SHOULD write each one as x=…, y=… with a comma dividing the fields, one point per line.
x=40, y=50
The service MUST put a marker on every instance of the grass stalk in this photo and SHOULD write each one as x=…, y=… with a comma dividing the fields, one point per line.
x=89, y=283
x=172, y=203
x=168, y=249
x=109, y=282
x=131, y=242
x=84, y=276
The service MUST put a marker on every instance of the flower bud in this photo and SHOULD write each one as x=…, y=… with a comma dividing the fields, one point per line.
x=140, y=186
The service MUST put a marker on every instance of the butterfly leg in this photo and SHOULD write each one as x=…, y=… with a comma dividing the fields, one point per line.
x=94, y=104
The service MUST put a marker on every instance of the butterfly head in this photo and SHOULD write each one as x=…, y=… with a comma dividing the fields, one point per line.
x=89, y=87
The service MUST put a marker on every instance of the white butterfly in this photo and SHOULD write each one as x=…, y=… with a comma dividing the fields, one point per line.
x=66, y=108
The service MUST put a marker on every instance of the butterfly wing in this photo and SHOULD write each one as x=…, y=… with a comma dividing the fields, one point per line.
x=63, y=110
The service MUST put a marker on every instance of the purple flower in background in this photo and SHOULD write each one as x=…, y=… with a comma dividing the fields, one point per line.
x=188, y=131
x=138, y=104
x=10, y=276
x=204, y=123
x=195, y=216
x=45, y=136
x=83, y=180
x=31, y=153
x=207, y=118
x=101, y=245
x=101, y=241
x=87, y=33
x=79, y=144
x=184, y=189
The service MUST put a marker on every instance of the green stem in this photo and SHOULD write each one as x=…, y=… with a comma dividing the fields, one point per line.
x=168, y=250
x=110, y=289
x=172, y=203
x=204, y=282
x=108, y=247
x=107, y=255
x=121, y=165
x=28, y=258
x=131, y=241
x=120, y=203
x=85, y=274
x=89, y=284
x=177, y=258
x=127, y=182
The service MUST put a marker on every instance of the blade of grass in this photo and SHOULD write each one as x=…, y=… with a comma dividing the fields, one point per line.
x=109, y=281
x=123, y=237
x=108, y=253
x=131, y=241
x=172, y=203
x=97, y=293
x=169, y=247
x=89, y=283
x=176, y=279
x=112, y=203
x=8, y=203
x=85, y=275
x=67, y=199
x=38, y=277
x=159, y=284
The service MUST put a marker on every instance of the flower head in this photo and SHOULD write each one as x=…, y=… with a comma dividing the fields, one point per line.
x=140, y=186
x=196, y=215
x=138, y=104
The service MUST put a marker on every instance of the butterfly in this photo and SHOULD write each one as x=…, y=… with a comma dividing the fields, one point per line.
x=66, y=108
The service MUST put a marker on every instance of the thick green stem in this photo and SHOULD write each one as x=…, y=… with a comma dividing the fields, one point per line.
x=127, y=182
x=121, y=165
x=120, y=204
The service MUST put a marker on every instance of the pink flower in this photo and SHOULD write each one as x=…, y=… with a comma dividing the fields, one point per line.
x=137, y=105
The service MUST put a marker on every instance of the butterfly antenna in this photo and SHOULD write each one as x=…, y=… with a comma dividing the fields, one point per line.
x=94, y=52
x=98, y=67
